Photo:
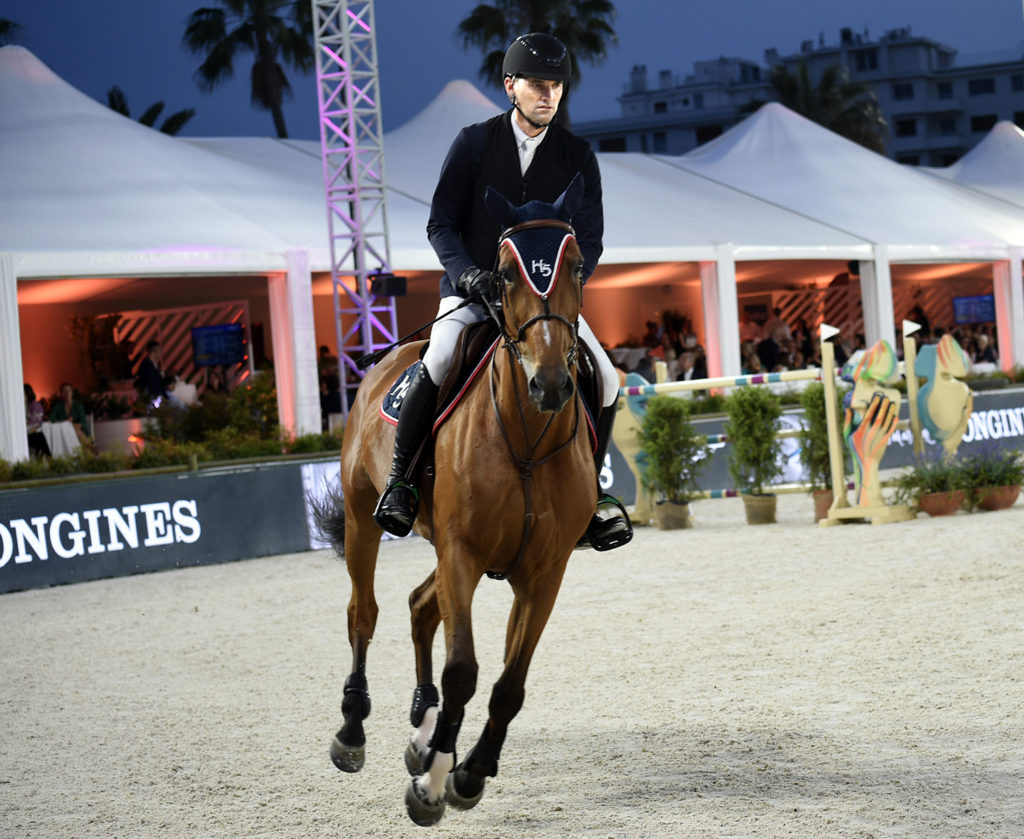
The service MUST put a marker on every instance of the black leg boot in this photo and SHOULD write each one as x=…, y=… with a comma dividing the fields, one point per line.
x=396, y=509
x=610, y=527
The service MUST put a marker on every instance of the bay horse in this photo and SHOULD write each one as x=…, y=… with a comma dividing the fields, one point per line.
x=513, y=488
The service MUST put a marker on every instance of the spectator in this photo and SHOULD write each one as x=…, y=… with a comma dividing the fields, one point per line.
x=749, y=330
x=35, y=414
x=68, y=408
x=215, y=382
x=171, y=398
x=651, y=337
x=776, y=328
x=150, y=378
x=985, y=353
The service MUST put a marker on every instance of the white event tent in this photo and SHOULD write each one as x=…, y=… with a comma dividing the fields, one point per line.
x=994, y=166
x=87, y=193
x=907, y=216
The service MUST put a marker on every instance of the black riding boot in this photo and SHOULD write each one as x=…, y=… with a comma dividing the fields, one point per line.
x=396, y=510
x=610, y=527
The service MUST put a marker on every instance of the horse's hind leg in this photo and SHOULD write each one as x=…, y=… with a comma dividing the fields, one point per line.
x=426, y=617
x=526, y=622
x=362, y=541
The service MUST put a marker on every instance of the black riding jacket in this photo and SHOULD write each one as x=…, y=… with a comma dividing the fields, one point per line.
x=460, y=230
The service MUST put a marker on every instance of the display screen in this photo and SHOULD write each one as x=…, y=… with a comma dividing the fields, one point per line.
x=221, y=344
x=981, y=308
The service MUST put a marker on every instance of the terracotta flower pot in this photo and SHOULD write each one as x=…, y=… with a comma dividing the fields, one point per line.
x=998, y=498
x=671, y=516
x=760, y=509
x=941, y=503
x=822, y=501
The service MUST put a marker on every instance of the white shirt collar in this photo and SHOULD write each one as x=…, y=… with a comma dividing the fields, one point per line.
x=525, y=144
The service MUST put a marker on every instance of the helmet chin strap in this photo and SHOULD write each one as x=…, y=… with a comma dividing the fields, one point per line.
x=538, y=125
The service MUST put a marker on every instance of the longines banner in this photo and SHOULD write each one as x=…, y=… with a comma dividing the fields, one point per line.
x=115, y=527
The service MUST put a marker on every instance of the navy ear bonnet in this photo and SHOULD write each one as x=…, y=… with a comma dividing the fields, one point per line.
x=537, y=250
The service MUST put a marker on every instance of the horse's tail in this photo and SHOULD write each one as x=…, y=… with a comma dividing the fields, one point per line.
x=329, y=518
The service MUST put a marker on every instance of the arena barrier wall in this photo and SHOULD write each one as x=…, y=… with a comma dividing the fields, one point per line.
x=997, y=422
x=111, y=528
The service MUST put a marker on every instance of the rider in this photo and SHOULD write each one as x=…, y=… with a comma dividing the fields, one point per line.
x=525, y=155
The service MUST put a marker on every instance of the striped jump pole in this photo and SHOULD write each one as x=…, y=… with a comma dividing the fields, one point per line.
x=722, y=381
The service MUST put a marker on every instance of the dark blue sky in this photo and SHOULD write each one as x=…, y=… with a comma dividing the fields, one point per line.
x=136, y=44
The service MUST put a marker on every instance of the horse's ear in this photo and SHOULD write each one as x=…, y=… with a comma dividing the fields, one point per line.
x=498, y=207
x=568, y=203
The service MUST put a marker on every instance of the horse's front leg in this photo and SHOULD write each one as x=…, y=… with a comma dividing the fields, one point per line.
x=454, y=587
x=362, y=542
x=530, y=612
x=426, y=617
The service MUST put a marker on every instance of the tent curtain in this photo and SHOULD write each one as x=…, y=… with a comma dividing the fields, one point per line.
x=13, y=437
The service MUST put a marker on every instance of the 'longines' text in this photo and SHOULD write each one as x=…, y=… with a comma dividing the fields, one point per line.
x=70, y=535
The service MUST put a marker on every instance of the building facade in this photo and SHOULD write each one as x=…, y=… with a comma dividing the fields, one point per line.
x=935, y=109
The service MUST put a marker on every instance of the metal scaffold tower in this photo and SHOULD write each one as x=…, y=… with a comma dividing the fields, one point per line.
x=351, y=141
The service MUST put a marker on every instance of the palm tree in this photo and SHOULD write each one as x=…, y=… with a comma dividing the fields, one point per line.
x=8, y=29
x=272, y=30
x=172, y=125
x=584, y=26
x=848, y=108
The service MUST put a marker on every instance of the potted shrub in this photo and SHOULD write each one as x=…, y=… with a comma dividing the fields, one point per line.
x=934, y=484
x=991, y=477
x=755, y=453
x=814, y=453
x=673, y=458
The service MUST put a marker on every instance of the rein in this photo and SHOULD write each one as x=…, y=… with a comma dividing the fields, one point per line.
x=527, y=464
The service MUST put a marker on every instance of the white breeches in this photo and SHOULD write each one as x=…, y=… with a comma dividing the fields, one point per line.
x=445, y=333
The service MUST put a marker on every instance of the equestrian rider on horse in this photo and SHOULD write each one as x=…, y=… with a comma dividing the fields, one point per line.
x=526, y=156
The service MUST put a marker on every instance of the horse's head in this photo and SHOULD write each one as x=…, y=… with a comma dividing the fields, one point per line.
x=540, y=287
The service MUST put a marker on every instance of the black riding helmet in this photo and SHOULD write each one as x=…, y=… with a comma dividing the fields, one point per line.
x=538, y=56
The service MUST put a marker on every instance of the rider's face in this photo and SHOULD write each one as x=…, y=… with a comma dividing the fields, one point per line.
x=537, y=98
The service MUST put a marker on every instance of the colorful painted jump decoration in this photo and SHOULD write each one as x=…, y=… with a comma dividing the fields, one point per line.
x=941, y=406
x=944, y=403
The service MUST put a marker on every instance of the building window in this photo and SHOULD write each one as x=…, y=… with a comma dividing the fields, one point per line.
x=661, y=107
x=1018, y=119
x=1017, y=82
x=948, y=159
x=865, y=60
x=909, y=159
x=705, y=133
x=660, y=141
x=698, y=100
x=980, y=87
x=905, y=127
x=945, y=90
x=612, y=144
x=983, y=123
x=902, y=91
x=947, y=126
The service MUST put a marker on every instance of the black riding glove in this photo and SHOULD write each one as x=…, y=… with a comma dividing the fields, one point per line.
x=475, y=284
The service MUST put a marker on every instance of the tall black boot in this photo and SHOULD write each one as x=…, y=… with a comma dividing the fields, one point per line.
x=610, y=527
x=396, y=509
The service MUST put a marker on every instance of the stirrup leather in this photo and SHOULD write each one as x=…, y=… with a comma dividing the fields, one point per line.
x=394, y=513
x=608, y=532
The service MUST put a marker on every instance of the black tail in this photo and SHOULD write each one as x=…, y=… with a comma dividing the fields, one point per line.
x=329, y=517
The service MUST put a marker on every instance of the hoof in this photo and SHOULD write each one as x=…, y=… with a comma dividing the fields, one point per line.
x=347, y=758
x=414, y=759
x=420, y=810
x=457, y=799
